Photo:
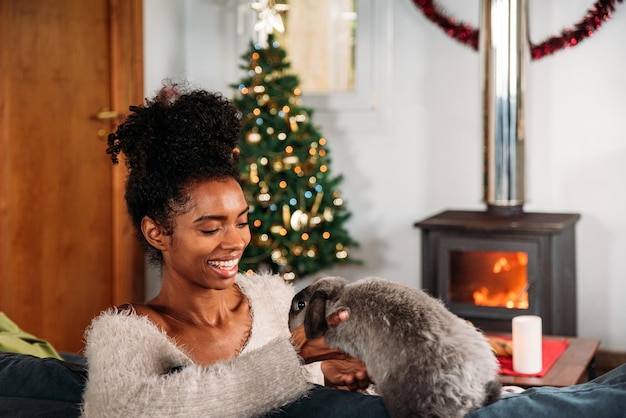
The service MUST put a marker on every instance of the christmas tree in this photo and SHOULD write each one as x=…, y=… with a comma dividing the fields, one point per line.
x=297, y=214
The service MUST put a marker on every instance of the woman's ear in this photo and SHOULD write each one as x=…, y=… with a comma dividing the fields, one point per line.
x=153, y=233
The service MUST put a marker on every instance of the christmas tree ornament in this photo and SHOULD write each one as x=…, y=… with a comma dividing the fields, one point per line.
x=290, y=160
x=299, y=220
x=293, y=124
x=328, y=214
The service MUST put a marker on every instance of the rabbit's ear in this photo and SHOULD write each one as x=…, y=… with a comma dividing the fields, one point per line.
x=315, y=320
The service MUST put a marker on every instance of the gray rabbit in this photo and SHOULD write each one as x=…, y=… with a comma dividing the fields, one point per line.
x=425, y=361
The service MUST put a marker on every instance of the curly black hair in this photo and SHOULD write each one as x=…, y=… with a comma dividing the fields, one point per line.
x=171, y=142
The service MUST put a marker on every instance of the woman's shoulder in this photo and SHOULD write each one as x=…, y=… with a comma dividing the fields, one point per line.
x=124, y=319
x=265, y=285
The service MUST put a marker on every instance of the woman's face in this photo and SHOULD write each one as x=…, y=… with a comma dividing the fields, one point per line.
x=209, y=238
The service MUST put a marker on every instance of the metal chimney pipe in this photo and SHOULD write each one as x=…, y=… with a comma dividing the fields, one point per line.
x=504, y=49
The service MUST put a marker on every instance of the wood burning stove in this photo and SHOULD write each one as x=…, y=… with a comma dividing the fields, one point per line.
x=491, y=266
x=488, y=267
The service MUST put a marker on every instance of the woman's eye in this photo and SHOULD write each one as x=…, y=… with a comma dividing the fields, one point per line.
x=209, y=232
x=243, y=224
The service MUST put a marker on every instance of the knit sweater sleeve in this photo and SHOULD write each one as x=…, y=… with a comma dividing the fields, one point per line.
x=136, y=371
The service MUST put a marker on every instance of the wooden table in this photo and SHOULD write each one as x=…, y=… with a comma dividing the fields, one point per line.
x=573, y=366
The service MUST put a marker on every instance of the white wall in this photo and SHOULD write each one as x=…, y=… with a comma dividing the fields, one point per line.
x=423, y=153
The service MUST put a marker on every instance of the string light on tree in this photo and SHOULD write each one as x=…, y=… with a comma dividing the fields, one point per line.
x=297, y=212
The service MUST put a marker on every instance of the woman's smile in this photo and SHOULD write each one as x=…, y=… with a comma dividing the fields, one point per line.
x=228, y=268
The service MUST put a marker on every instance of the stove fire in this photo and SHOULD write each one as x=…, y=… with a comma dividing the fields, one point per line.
x=497, y=279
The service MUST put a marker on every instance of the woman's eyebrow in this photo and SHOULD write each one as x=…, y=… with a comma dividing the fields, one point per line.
x=219, y=217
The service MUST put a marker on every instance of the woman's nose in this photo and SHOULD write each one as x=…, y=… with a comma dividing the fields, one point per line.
x=236, y=238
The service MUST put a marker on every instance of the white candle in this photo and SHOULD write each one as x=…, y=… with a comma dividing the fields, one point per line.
x=527, y=353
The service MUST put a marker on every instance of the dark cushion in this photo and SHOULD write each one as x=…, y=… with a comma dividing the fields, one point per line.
x=40, y=387
x=603, y=397
x=37, y=408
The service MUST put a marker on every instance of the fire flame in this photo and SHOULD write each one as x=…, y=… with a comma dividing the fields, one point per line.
x=517, y=295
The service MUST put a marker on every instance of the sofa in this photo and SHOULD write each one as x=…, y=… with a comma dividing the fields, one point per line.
x=41, y=387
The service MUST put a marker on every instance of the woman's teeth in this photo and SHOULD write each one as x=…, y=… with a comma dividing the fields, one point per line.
x=224, y=264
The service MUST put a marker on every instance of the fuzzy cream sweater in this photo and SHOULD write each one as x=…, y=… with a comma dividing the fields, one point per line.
x=136, y=370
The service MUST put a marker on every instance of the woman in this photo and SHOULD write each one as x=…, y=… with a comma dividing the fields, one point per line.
x=212, y=342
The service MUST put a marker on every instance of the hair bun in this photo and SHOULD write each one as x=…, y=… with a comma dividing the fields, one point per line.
x=179, y=131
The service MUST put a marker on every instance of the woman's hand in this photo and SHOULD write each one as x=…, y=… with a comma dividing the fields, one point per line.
x=348, y=374
x=315, y=349
x=340, y=370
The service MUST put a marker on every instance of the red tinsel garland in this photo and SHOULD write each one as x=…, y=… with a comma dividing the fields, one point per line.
x=466, y=34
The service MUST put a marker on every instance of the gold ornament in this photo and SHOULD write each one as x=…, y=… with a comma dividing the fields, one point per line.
x=286, y=216
x=254, y=174
x=290, y=160
x=278, y=230
x=317, y=203
x=328, y=214
x=277, y=165
x=299, y=220
x=293, y=124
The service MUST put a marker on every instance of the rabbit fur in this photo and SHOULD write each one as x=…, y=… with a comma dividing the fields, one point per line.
x=424, y=360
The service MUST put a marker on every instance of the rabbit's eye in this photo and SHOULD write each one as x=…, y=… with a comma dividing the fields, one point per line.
x=301, y=305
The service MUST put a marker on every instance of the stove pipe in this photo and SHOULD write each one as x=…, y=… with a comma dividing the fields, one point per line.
x=505, y=53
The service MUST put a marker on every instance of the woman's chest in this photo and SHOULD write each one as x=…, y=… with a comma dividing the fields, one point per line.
x=209, y=345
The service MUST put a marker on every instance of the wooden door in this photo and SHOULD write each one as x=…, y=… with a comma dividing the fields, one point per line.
x=66, y=249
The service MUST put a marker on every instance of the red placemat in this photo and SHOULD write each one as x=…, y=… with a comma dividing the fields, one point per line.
x=551, y=350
